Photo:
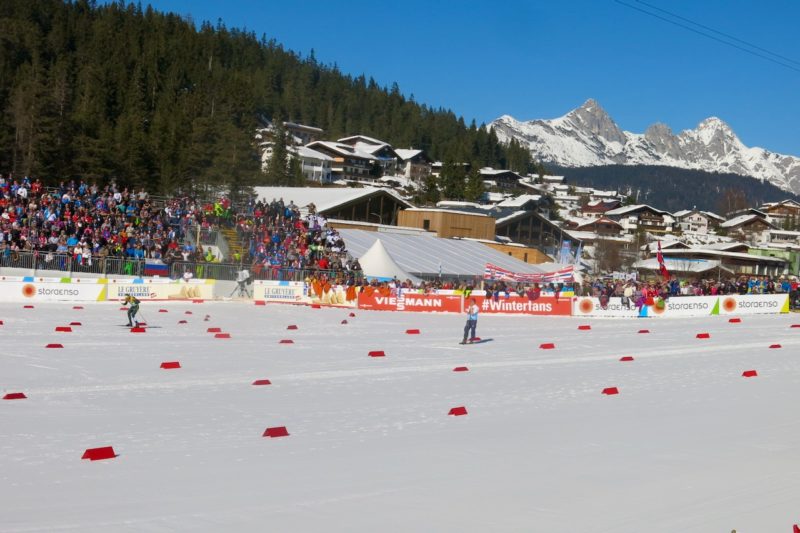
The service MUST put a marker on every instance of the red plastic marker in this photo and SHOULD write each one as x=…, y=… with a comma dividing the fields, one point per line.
x=97, y=454
x=15, y=396
x=277, y=431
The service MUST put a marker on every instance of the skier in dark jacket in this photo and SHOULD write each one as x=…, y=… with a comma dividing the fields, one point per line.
x=133, y=309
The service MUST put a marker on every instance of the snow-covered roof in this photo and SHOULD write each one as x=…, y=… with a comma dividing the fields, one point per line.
x=696, y=266
x=742, y=219
x=344, y=150
x=324, y=198
x=371, y=148
x=496, y=172
x=726, y=246
x=520, y=200
x=730, y=255
x=361, y=138
x=626, y=209
x=600, y=220
x=422, y=254
x=458, y=203
x=784, y=232
x=309, y=153
x=407, y=153
x=435, y=210
x=593, y=236
x=711, y=214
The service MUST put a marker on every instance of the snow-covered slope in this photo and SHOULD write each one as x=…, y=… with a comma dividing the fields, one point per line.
x=688, y=445
x=588, y=136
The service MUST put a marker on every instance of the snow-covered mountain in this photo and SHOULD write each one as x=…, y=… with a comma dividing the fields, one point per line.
x=588, y=136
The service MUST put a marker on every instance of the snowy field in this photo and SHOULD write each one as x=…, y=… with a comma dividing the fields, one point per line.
x=688, y=444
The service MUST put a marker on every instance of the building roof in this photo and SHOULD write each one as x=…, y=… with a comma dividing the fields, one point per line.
x=593, y=236
x=442, y=210
x=600, y=220
x=408, y=153
x=730, y=255
x=769, y=205
x=302, y=127
x=741, y=220
x=310, y=153
x=695, y=266
x=519, y=201
x=324, y=198
x=362, y=139
x=628, y=209
x=344, y=150
x=422, y=254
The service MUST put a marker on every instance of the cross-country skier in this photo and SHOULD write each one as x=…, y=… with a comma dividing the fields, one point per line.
x=472, y=322
x=129, y=299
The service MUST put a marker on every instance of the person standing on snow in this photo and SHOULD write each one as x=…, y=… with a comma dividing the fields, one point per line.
x=129, y=299
x=472, y=322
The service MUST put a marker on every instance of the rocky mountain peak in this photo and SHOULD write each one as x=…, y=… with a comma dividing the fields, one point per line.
x=588, y=136
x=592, y=118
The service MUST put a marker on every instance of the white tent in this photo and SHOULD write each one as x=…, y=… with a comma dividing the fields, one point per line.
x=377, y=263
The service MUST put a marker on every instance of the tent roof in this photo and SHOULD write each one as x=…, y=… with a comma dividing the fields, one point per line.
x=324, y=198
x=422, y=254
x=377, y=263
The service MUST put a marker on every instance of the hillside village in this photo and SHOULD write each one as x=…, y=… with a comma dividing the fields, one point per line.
x=540, y=218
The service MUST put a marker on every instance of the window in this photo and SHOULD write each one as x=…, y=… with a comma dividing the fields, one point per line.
x=426, y=224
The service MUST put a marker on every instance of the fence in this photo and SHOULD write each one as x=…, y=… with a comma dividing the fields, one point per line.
x=230, y=272
x=105, y=266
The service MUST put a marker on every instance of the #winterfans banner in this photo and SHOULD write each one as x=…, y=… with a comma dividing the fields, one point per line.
x=494, y=272
x=518, y=305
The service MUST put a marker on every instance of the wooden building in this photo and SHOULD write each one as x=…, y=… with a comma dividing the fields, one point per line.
x=449, y=223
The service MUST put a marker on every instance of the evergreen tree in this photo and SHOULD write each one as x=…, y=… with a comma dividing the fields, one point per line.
x=474, y=188
x=452, y=180
x=278, y=166
x=108, y=89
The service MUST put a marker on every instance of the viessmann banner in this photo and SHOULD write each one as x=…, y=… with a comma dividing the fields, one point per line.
x=411, y=302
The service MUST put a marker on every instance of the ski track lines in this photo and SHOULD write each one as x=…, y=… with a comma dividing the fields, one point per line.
x=687, y=445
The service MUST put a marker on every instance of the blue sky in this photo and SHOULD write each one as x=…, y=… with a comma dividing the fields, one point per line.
x=540, y=59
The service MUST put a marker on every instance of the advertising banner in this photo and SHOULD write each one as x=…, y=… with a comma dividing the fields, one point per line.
x=280, y=291
x=51, y=291
x=517, y=305
x=684, y=306
x=411, y=302
x=753, y=304
x=161, y=289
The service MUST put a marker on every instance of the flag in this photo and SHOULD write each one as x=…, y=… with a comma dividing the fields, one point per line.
x=578, y=254
x=661, y=266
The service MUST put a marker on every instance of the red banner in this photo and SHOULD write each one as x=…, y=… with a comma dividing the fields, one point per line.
x=411, y=302
x=517, y=305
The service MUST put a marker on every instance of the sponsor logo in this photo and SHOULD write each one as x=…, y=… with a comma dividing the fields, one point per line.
x=729, y=304
x=137, y=291
x=687, y=306
x=756, y=304
x=29, y=290
x=280, y=293
x=502, y=305
x=410, y=301
x=586, y=306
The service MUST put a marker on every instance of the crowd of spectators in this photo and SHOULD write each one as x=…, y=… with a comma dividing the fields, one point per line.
x=276, y=236
x=637, y=293
x=82, y=221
